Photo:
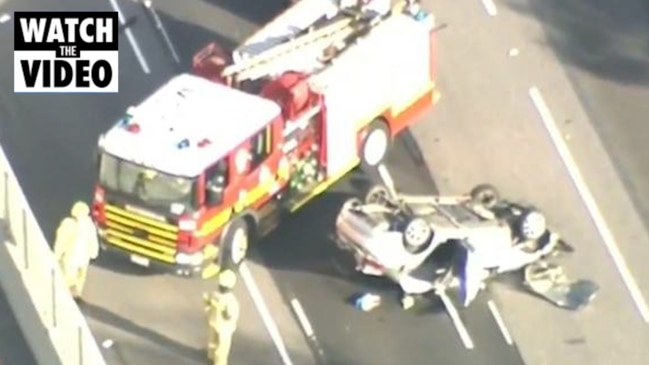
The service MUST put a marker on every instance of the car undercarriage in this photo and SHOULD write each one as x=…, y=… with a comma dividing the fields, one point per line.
x=433, y=244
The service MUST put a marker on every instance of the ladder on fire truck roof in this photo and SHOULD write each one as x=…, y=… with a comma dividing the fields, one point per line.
x=312, y=44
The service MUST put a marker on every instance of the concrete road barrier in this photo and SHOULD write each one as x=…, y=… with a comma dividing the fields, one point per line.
x=51, y=321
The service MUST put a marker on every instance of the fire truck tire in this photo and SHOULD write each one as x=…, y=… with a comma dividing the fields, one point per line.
x=417, y=235
x=235, y=243
x=376, y=144
x=485, y=195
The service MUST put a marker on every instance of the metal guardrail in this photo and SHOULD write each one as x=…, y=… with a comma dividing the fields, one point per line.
x=51, y=321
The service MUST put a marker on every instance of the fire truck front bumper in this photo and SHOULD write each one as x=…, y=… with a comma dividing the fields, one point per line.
x=198, y=265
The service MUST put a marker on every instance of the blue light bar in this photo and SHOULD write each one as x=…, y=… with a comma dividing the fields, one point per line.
x=183, y=144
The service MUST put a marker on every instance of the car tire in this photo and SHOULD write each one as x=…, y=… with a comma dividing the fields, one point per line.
x=485, y=195
x=352, y=203
x=376, y=144
x=377, y=194
x=417, y=235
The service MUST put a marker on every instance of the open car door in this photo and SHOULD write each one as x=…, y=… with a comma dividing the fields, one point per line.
x=471, y=274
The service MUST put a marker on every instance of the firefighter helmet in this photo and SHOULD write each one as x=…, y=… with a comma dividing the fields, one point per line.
x=227, y=279
x=80, y=209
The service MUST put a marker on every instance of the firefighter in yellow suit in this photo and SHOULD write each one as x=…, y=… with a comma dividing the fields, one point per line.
x=76, y=244
x=223, y=313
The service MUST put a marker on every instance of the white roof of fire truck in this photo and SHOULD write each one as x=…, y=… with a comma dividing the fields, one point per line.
x=186, y=125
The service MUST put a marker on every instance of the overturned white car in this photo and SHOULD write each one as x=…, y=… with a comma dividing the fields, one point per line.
x=407, y=239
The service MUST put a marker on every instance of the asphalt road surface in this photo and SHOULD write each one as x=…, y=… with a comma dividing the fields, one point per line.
x=50, y=140
x=309, y=267
x=157, y=319
x=586, y=60
x=546, y=100
x=605, y=47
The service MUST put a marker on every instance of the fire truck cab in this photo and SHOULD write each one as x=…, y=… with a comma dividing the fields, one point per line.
x=200, y=167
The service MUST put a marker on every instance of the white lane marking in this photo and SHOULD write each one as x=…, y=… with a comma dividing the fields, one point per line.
x=457, y=320
x=149, y=5
x=131, y=38
x=499, y=321
x=589, y=202
x=490, y=7
x=266, y=317
x=301, y=317
x=5, y=18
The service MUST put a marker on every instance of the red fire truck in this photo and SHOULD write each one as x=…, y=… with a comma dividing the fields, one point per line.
x=211, y=159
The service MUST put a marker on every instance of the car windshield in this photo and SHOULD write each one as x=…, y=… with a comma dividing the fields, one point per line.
x=151, y=187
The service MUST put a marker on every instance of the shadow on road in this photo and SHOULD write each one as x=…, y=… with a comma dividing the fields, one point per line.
x=602, y=37
x=121, y=265
x=113, y=319
x=609, y=40
x=305, y=241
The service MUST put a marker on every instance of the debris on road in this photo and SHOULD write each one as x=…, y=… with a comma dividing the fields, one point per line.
x=407, y=302
x=367, y=302
x=107, y=344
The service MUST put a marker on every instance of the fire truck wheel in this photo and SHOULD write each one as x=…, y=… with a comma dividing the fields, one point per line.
x=239, y=245
x=376, y=144
x=235, y=244
x=486, y=195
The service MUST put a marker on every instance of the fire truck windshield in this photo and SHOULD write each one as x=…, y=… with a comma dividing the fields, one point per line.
x=151, y=187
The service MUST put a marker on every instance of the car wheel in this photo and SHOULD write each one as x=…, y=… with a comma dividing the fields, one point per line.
x=417, y=235
x=376, y=144
x=351, y=204
x=532, y=225
x=485, y=195
x=378, y=194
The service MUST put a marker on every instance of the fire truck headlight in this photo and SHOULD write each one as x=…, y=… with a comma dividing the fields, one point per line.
x=192, y=259
x=187, y=225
